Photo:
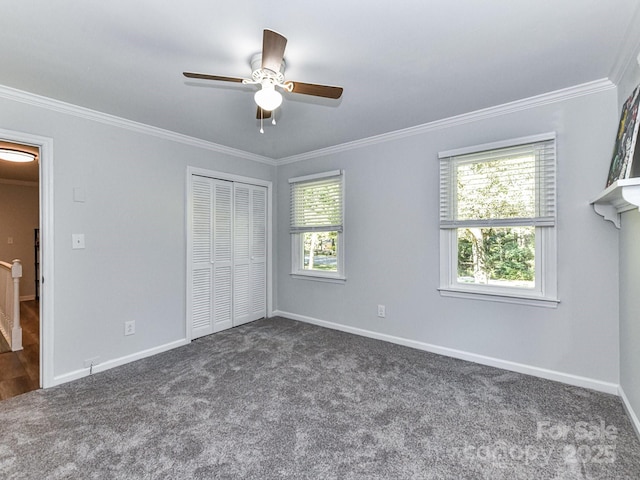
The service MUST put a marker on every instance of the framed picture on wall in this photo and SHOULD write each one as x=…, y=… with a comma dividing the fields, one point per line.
x=624, y=149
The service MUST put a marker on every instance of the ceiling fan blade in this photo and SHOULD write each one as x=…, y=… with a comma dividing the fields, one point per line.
x=203, y=76
x=325, y=91
x=273, y=45
x=262, y=114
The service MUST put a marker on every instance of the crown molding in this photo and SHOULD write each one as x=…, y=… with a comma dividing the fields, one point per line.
x=112, y=120
x=478, y=115
x=630, y=48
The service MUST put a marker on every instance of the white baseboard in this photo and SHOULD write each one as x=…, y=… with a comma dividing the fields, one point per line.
x=567, y=378
x=116, y=362
x=630, y=412
x=26, y=298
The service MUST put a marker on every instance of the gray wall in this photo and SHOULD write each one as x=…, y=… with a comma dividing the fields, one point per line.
x=392, y=250
x=630, y=309
x=18, y=219
x=133, y=267
x=630, y=281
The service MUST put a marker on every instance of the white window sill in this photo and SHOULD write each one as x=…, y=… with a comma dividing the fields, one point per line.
x=318, y=277
x=500, y=297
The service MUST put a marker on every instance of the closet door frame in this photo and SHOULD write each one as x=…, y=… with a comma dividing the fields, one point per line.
x=202, y=172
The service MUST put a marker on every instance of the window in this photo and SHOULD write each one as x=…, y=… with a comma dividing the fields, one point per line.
x=497, y=221
x=317, y=225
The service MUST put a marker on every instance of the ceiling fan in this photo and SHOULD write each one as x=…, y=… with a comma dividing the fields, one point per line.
x=268, y=71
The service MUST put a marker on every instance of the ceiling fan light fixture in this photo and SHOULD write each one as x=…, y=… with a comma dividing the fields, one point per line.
x=268, y=98
x=18, y=156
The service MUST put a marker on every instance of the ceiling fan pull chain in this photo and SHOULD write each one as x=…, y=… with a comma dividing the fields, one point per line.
x=261, y=121
x=273, y=119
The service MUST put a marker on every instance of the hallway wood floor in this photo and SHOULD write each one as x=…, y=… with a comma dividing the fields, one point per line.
x=20, y=371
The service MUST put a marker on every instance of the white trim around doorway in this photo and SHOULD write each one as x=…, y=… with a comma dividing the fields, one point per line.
x=45, y=144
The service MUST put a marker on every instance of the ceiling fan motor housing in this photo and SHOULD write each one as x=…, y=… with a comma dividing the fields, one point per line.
x=260, y=75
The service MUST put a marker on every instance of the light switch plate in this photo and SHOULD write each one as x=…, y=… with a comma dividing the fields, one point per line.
x=77, y=240
x=79, y=195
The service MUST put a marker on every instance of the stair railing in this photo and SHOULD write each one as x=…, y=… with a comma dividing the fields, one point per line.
x=10, y=274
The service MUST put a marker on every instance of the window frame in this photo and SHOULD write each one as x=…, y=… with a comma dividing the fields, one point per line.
x=545, y=292
x=297, y=238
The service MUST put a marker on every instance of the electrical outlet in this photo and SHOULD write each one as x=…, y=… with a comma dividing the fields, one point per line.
x=130, y=327
x=382, y=311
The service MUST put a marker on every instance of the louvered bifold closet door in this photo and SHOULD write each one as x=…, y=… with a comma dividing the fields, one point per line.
x=201, y=256
x=249, y=273
x=223, y=245
x=241, y=276
x=258, y=258
x=211, y=253
x=229, y=254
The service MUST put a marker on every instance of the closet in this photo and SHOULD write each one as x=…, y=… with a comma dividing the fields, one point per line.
x=228, y=254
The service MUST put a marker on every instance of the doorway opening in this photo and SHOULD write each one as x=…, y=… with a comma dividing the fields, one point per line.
x=46, y=229
x=20, y=246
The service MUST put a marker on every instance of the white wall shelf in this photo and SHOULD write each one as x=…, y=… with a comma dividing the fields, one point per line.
x=618, y=197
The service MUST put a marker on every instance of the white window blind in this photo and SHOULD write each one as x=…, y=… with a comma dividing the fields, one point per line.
x=317, y=203
x=516, y=185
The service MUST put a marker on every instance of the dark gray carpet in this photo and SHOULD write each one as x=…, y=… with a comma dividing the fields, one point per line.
x=282, y=399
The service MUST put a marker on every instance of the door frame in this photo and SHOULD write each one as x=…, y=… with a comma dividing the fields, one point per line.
x=45, y=187
x=203, y=172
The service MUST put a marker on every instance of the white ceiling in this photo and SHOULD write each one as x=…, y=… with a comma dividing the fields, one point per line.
x=401, y=63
